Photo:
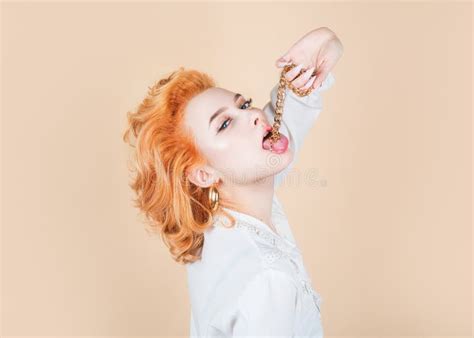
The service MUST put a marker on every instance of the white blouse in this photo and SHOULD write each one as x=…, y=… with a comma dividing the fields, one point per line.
x=251, y=281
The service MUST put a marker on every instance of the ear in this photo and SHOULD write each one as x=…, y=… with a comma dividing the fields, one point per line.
x=202, y=176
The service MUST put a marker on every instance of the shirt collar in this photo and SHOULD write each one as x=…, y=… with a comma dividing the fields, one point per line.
x=280, y=239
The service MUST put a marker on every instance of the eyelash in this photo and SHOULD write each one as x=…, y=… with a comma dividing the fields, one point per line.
x=249, y=101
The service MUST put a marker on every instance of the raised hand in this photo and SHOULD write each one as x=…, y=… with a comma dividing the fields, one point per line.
x=316, y=53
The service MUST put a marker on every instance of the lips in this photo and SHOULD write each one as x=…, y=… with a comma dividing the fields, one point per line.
x=266, y=131
x=266, y=135
x=279, y=147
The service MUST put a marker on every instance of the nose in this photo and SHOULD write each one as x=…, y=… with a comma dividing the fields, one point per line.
x=257, y=118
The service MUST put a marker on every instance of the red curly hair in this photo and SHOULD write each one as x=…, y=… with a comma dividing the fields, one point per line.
x=164, y=152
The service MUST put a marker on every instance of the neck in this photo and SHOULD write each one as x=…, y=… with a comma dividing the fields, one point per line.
x=253, y=199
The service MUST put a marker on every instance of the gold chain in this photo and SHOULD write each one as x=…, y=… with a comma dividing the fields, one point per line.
x=284, y=83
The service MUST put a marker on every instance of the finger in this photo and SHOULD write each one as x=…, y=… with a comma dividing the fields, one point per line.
x=309, y=83
x=282, y=63
x=294, y=72
x=283, y=60
x=303, y=78
x=319, y=79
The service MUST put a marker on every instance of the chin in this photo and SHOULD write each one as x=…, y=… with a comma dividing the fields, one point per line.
x=278, y=162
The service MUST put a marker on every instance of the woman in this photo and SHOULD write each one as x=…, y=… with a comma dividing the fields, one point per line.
x=205, y=180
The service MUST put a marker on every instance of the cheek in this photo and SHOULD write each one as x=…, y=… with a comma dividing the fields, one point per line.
x=239, y=146
x=238, y=155
x=231, y=145
x=242, y=160
x=225, y=155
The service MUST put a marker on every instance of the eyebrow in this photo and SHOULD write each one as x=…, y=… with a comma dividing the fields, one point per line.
x=222, y=109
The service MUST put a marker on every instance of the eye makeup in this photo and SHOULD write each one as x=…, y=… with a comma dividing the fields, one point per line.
x=225, y=124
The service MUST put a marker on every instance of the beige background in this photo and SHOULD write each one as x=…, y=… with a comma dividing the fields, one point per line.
x=384, y=226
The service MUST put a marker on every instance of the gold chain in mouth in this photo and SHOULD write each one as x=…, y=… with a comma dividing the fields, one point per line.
x=283, y=84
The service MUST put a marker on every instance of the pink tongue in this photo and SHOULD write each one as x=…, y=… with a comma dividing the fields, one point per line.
x=279, y=146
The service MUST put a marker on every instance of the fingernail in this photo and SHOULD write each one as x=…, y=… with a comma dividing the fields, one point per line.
x=299, y=66
x=310, y=82
x=311, y=69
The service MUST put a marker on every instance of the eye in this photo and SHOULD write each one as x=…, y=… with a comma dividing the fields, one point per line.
x=245, y=105
x=248, y=102
x=224, y=124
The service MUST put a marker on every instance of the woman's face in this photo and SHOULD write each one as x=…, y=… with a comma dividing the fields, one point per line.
x=229, y=133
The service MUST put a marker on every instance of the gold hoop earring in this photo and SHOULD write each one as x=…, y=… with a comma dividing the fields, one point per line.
x=213, y=197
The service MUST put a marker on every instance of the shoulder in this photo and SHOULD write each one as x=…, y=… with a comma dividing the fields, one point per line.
x=267, y=305
x=228, y=258
x=222, y=244
x=227, y=243
x=269, y=288
x=268, y=282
